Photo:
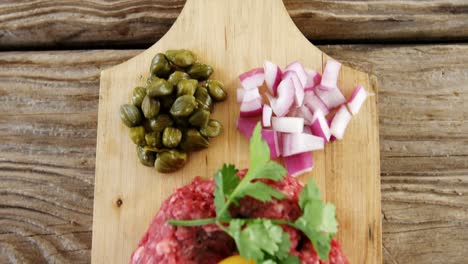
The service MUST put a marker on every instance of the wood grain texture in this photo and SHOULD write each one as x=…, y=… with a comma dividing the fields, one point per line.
x=241, y=35
x=48, y=112
x=423, y=159
x=423, y=110
x=100, y=23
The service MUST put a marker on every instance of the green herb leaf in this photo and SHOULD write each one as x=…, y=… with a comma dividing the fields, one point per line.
x=226, y=181
x=259, y=152
x=261, y=192
x=260, y=239
x=318, y=220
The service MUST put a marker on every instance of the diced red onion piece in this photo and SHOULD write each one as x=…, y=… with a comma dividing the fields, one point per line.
x=358, y=97
x=303, y=112
x=331, y=97
x=285, y=99
x=307, y=130
x=240, y=94
x=246, y=126
x=299, y=70
x=330, y=74
x=266, y=116
x=252, y=94
x=298, y=88
x=271, y=138
x=320, y=126
x=340, y=122
x=252, y=79
x=287, y=124
x=295, y=143
x=313, y=79
x=251, y=108
x=299, y=163
x=313, y=102
x=272, y=76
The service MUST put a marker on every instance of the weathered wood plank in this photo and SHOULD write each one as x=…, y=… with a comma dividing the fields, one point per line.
x=424, y=148
x=48, y=111
x=100, y=23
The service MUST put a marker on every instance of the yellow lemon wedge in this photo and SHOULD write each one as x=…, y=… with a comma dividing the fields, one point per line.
x=236, y=260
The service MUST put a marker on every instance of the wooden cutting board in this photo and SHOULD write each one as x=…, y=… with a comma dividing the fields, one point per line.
x=232, y=36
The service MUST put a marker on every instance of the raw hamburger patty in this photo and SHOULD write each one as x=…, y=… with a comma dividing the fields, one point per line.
x=166, y=244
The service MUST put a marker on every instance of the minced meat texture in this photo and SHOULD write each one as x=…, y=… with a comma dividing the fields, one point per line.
x=167, y=244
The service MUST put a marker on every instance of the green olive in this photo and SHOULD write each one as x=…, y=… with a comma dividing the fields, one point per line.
x=159, y=123
x=184, y=106
x=203, y=98
x=177, y=76
x=193, y=141
x=153, y=139
x=216, y=90
x=213, y=129
x=171, y=137
x=150, y=107
x=130, y=115
x=158, y=87
x=170, y=161
x=187, y=87
x=181, y=58
x=160, y=66
x=137, y=134
x=200, y=71
x=200, y=118
x=146, y=157
x=138, y=95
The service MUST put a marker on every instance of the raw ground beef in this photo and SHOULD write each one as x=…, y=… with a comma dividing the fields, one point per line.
x=166, y=244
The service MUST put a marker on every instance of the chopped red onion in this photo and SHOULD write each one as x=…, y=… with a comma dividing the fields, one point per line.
x=340, y=122
x=299, y=70
x=358, y=97
x=298, y=89
x=246, y=126
x=299, y=163
x=271, y=138
x=285, y=99
x=272, y=76
x=320, y=126
x=266, y=115
x=252, y=79
x=313, y=102
x=294, y=143
x=287, y=124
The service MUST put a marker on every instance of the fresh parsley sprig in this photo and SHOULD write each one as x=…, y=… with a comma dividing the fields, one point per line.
x=264, y=240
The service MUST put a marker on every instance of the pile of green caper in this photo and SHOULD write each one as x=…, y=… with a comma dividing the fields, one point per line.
x=170, y=116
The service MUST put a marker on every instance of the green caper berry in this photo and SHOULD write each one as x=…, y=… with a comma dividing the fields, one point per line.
x=216, y=90
x=158, y=87
x=177, y=76
x=170, y=161
x=213, y=129
x=146, y=157
x=182, y=58
x=183, y=106
x=200, y=118
x=130, y=115
x=187, y=87
x=150, y=107
x=138, y=95
x=137, y=134
x=171, y=137
x=203, y=98
x=200, y=71
x=160, y=66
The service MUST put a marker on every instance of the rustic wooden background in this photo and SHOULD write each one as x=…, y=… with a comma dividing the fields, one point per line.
x=51, y=53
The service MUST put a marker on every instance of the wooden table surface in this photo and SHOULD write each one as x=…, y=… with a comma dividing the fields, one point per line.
x=51, y=53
